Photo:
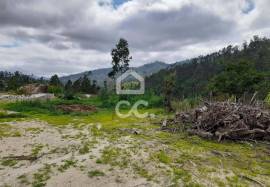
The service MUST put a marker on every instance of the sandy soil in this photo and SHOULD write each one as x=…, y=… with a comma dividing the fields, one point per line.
x=56, y=146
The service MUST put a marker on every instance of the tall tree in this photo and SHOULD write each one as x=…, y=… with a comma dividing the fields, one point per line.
x=55, y=81
x=86, y=85
x=120, y=58
x=68, y=86
x=77, y=85
x=168, y=88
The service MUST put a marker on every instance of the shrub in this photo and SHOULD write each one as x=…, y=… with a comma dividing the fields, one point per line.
x=57, y=90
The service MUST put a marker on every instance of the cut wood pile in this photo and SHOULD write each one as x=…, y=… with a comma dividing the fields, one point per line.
x=77, y=108
x=223, y=120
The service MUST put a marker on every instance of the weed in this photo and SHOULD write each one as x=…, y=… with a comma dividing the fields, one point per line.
x=23, y=179
x=142, y=172
x=41, y=177
x=163, y=157
x=34, y=130
x=9, y=162
x=8, y=131
x=95, y=173
x=37, y=148
x=67, y=164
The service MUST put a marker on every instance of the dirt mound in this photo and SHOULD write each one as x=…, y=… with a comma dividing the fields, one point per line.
x=33, y=89
x=77, y=108
x=223, y=120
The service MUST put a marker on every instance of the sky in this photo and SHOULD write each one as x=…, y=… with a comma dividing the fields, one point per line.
x=47, y=37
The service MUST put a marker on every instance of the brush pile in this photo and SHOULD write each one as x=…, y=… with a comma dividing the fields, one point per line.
x=223, y=120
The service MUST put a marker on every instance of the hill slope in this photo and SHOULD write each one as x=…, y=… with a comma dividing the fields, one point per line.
x=192, y=78
x=101, y=74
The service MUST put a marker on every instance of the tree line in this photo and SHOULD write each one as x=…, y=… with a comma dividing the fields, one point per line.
x=232, y=71
x=13, y=81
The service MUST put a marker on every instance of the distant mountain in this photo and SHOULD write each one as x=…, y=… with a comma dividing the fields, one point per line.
x=100, y=75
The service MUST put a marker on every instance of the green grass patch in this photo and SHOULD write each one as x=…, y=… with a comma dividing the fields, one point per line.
x=96, y=173
x=66, y=165
x=36, y=149
x=141, y=171
x=8, y=131
x=40, y=178
x=23, y=180
x=9, y=162
x=163, y=157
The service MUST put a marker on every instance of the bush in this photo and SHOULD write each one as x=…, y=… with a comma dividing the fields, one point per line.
x=57, y=90
x=69, y=95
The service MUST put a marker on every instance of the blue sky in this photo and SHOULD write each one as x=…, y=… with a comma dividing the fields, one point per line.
x=117, y=3
x=249, y=6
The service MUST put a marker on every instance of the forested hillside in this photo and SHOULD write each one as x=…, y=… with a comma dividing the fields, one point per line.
x=200, y=75
x=12, y=81
x=100, y=75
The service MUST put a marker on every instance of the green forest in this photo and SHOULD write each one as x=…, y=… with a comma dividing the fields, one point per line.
x=232, y=71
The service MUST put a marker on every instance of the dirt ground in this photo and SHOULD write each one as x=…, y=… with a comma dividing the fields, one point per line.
x=57, y=147
x=87, y=155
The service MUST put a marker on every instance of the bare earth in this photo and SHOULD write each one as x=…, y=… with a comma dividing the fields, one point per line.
x=77, y=156
x=57, y=146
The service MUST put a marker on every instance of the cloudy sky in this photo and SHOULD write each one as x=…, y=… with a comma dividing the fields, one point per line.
x=45, y=37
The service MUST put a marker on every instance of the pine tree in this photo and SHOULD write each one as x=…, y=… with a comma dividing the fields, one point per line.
x=77, y=85
x=86, y=85
x=68, y=86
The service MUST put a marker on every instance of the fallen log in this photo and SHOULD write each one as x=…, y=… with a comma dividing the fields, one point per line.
x=24, y=157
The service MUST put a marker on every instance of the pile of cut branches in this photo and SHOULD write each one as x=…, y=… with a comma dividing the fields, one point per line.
x=223, y=120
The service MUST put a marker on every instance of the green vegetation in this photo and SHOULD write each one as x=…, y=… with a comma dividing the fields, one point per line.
x=8, y=162
x=141, y=171
x=36, y=149
x=222, y=68
x=66, y=165
x=238, y=78
x=120, y=58
x=8, y=131
x=23, y=180
x=13, y=81
x=138, y=145
x=95, y=173
x=162, y=157
x=40, y=178
x=186, y=160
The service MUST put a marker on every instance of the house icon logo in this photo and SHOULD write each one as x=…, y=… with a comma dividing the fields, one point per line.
x=121, y=79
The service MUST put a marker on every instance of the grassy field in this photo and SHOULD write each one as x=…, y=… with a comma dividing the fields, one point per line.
x=110, y=151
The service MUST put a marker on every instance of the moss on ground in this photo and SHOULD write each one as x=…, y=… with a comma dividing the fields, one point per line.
x=7, y=130
x=189, y=160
